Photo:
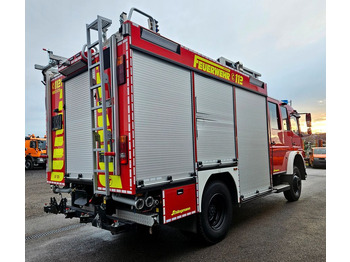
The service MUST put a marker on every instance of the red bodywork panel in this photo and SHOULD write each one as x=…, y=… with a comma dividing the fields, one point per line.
x=57, y=137
x=126, y=120
x=179, y=202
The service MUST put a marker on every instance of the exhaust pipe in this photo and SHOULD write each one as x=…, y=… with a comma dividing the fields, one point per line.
x=149, y=201
x=138, y=204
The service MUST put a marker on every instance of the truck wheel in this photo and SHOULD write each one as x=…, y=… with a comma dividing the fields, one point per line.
x=295, y=188
x=29, y=164
x=216, y=216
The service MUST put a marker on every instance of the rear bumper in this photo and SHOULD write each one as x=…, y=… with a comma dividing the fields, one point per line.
x=120, y=221
x=40, y=161
x=319, y=162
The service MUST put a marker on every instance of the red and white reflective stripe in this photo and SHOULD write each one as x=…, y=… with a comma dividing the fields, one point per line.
x=130, y=114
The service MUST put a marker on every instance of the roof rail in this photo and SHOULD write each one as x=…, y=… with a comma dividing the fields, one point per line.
x=238, y=66
x=152, y=23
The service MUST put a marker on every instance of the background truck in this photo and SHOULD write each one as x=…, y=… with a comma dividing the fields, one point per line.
x=144, y=131
x=35, y=151
x=318, y=157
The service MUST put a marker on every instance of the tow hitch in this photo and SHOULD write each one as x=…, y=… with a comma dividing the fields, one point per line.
x=70, y=212
x=56, y=208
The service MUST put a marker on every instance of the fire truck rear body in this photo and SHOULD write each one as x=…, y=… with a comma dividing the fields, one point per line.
x=179, y=125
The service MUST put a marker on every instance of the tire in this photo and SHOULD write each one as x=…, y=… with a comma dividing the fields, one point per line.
x=295, y=187
x=215, y=219
x=29, y=164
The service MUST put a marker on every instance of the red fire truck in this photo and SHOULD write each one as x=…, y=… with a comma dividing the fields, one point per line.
x=144, y=131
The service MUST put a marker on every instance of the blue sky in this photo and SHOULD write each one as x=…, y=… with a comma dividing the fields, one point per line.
x=283, y=40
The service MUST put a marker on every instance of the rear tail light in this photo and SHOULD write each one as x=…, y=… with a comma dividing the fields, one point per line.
x=123, y=149
x=121, y=79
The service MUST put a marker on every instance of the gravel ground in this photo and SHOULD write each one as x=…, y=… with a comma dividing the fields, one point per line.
x=268, y=229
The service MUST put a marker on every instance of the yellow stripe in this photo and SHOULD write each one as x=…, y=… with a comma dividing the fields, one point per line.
x=114, y=181
x=59, y=132
x=100, y=121
x=102, y=166
x=98, y=81
x=57, y=164
x=58, y=153
x=59, y=141
x=57, y=176
x=60, y=105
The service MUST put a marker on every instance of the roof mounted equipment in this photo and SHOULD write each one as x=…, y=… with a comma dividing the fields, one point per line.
x=238, y=66
x=152, y=23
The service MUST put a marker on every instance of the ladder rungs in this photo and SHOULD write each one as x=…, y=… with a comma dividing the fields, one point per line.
x=99, y=171
x=105, y=23
x=95, y=86
x=96, y=107
x=94, y=65
x=93, y=44
x=98, y=149
x=97, y=128
x=100, y=107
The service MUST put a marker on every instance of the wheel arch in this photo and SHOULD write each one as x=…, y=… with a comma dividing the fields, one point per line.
x=29, y=157
x=226, y=177
x=295, y=158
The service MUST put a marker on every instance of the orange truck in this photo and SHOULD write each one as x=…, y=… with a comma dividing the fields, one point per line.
x=318, y=157
x=35, y=152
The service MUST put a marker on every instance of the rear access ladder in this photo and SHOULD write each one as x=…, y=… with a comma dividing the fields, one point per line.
x=99, y=104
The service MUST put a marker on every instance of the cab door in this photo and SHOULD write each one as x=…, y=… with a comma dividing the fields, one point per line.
x=276, y=137
x=32, y=148
x=286, y=126
x=296, y=139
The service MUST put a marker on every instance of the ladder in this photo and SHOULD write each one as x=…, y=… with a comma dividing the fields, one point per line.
x=98, y=103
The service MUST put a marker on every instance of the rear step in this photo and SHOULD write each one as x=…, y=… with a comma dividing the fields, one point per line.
x=280, y=188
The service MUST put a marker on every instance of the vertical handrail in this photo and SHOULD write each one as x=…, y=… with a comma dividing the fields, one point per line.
x=115, y=93
x=153, y=21
x=99, y=26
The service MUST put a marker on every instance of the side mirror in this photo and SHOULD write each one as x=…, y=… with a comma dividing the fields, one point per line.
x=308, y=121
x=309, y=131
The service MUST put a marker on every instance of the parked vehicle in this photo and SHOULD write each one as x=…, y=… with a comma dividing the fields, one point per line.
x=142, y=130
x=318, y=157
x=35, y=152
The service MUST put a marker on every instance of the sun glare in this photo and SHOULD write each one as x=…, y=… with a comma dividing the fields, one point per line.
x=318, y=126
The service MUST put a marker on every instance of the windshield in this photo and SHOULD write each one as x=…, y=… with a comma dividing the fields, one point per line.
x=320, y=151
x=42, y=144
